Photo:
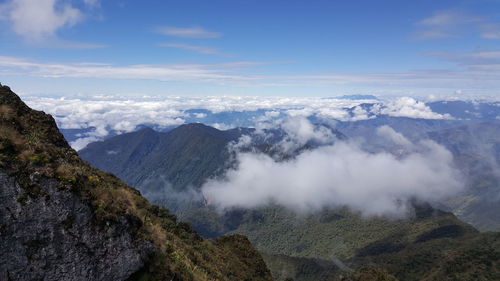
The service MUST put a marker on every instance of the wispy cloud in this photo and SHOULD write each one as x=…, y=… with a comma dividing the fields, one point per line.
x=445, y=23
x=38, y=21
x=187, y=32
x=490, y=31
x=479, y=75
x=168, y=72
x=194, y=48
x=92, y=3
x=452, y=23
x=472, y=60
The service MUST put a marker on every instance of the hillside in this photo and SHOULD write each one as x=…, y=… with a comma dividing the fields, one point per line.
x=140, y=157
x=433, y=245
x=62, y=219
x=429, y=245
x=475, y=145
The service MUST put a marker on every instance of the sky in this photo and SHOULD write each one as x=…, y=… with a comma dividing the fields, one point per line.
x=250, y=48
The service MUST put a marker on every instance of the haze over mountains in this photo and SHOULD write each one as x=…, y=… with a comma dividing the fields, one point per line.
x=320, y=197
x=253, y=140
x=309, y=192
x=331, y=190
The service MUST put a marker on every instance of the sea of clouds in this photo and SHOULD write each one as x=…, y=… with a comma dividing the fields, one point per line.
x=99, y=117
x=332, y=172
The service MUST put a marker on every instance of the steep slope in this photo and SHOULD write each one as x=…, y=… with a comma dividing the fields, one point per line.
x=433, y=245
x=323, y=245
x=140, y=157
x=62, y=219
x=475, y=148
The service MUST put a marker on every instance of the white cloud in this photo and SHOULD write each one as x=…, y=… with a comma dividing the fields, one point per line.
x=300, y=131
x=479, y=58
x=182, y=72
x=198, y=49
x=455, y=23
x=38, y=21
x=445, y=23
x=111, y=113
x=189, y=32
x=473, y=78
x=272, y=114
x=92, y=3
x=200, y=115
x=395, y=137
x=340, y=175
x=490, y=31
x=106, y=116
x=221, y=126
x=408, y=107
x=83, y=142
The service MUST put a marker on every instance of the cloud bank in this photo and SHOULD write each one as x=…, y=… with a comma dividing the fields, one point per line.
x=340, y=175
x=104, y=115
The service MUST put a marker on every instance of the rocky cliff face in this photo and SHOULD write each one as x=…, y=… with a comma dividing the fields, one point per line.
x=62, y=219
x=53, y=237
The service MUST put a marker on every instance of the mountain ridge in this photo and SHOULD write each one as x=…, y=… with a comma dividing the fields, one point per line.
x=63, y=219
x=419, y=247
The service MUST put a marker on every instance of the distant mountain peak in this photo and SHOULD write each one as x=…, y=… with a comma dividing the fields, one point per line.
x=358, y=97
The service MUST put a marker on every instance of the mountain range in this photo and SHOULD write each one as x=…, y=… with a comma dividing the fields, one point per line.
x=169, y=168
x=64, y=219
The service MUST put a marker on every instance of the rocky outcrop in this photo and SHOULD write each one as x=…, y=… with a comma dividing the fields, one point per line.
x=63, y=219
x=53, y=237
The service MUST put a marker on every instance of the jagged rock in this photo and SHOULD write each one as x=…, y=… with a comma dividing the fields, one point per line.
x=62, y=219
x=53, y=237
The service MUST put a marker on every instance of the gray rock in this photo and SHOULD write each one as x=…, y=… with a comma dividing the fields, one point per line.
x=53, y=237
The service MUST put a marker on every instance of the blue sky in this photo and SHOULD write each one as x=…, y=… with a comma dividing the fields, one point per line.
x=266, y=48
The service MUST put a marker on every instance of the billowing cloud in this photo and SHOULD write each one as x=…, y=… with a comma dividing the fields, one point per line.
x=408, y=107
x=38, y=21
x=298, y=131
x=106, y=116
x=393, y=136
x=340, y=175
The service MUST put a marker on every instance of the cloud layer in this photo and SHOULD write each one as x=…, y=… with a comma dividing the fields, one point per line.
x=107, y=114
x=478, y=77
x=340, y=175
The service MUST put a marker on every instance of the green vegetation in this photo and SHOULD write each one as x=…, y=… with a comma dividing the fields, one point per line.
x=433, y=245
x=33, y=150
x=183, y=157
x=370, y=273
